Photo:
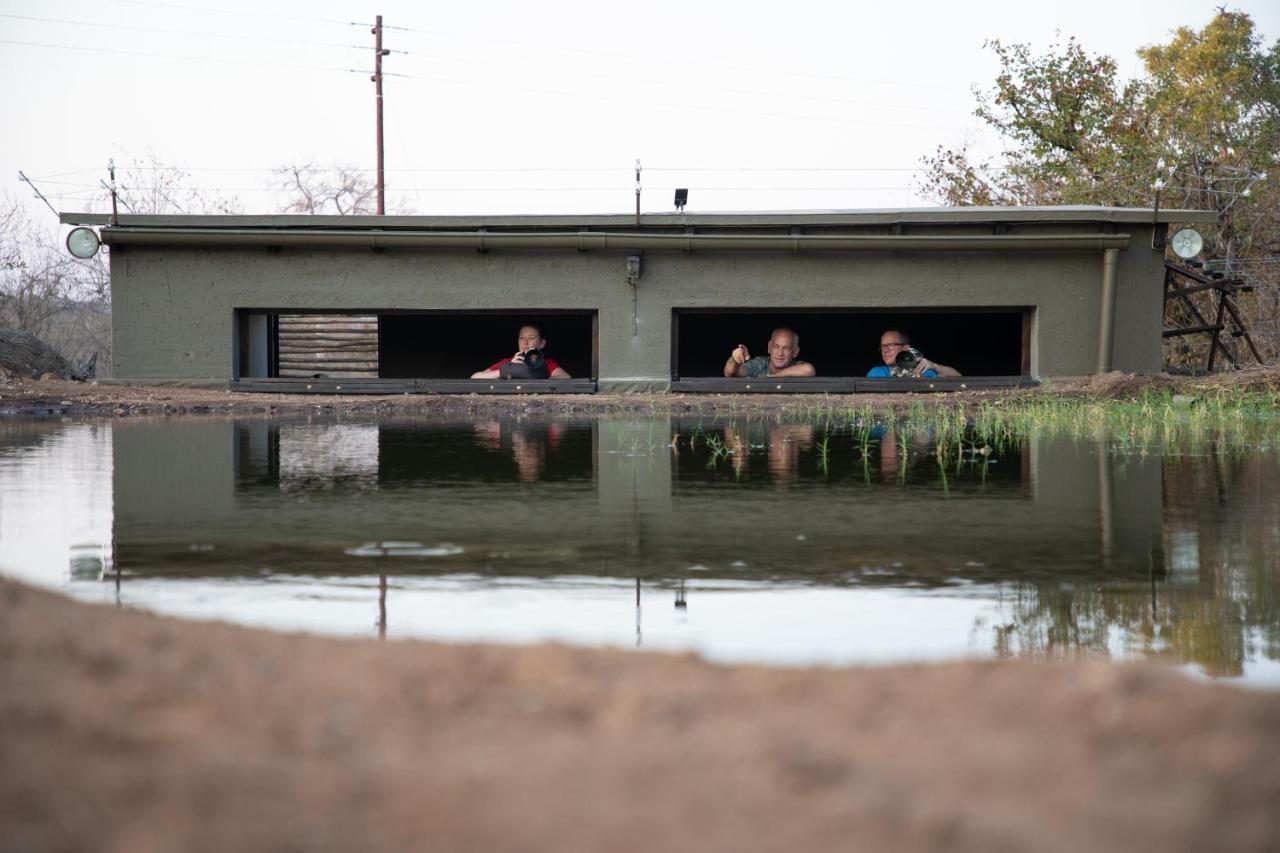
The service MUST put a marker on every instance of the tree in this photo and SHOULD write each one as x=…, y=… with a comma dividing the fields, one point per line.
x=1201, y=126
x=1074, y=134
x=46, y=293
x=344, y=190
x=1214, y=95
x=1208, y=106
x=148, y=185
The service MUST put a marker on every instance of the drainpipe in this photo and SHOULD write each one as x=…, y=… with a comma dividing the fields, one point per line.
x=1107, y=326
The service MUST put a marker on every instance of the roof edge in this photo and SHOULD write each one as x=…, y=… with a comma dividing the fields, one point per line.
x=889, y=216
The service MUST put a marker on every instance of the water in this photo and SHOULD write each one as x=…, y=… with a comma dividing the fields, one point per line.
x=760, y=541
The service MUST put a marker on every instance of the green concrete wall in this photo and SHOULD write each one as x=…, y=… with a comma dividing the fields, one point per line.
x=173, y=308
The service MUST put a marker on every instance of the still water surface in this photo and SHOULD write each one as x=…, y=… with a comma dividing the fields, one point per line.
x=756, y=540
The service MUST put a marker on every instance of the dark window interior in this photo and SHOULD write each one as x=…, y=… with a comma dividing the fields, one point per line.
x=846, y=343
x=453, y=346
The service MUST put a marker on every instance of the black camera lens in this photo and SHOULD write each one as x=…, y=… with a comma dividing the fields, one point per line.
x=533, y=357
x=907, y=359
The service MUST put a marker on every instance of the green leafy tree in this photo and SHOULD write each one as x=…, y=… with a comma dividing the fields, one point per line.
x=1207, y=108
x=1200, y=126
x=1214, y=102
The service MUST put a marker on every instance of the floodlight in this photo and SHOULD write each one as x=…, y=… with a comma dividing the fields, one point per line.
x=83, y=242
x=1187, y=243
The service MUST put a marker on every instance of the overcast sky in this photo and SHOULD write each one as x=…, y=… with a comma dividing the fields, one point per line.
x=519, y=107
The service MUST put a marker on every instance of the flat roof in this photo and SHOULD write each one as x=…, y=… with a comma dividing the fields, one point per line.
x=882, y=216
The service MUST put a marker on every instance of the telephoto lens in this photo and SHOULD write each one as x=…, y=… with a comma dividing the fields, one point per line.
x=533, y=358
x=908, y=359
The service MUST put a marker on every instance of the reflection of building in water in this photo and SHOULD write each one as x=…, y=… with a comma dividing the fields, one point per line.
x=1072, y=536
x=322, y=456
x=628, y=504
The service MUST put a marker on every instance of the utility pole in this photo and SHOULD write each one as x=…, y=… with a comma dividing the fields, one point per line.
x=378, y=53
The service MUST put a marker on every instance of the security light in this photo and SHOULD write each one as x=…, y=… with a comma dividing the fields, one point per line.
x=682, y=197
x=83, y=242
x=1187, y=243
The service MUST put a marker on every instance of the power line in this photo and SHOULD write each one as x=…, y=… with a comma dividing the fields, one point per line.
x=27, y=181
x=183, y=32
x=861, y=122
x=172, y=56
x=523, y=189
x=184, y=8
x=695, y=85
x=681, y=61
x=579, y=94
x=512, y=169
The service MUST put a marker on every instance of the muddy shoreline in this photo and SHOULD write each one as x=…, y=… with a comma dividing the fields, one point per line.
x=131, y=732
x=28, y=398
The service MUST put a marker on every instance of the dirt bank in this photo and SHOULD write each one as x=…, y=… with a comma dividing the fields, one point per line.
x=128, y=732
x=57, y=398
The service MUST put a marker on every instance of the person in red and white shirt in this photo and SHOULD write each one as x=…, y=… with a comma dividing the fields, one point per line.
x=530, y=339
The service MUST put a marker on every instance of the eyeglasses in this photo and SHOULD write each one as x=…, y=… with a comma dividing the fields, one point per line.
x=894, y=344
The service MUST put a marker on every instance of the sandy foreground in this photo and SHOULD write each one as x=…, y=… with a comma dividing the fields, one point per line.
x=124, y=731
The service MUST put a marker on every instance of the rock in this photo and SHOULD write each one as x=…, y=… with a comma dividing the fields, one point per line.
x=23, y=354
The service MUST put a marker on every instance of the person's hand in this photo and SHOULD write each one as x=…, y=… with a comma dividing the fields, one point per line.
x=740, y=354
x=921, y=366
x=518, y=358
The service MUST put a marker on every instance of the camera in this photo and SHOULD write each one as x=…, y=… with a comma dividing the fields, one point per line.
x=534, y=366
x=908, y=359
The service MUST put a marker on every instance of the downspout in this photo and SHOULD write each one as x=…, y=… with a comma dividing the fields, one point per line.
x=1107, y=324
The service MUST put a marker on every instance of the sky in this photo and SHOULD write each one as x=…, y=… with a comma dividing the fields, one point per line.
x=518, y=107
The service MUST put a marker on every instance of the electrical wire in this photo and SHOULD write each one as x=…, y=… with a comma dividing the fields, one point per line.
x=172, y=56
x=184, y=8
x=681, y=61
x=629, y=170
x=203, y=35
x=861, y=122
x=689, y=85
x=1234, y=193
x=519, y=189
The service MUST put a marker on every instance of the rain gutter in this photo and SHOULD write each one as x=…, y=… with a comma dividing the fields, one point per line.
x=604, y=240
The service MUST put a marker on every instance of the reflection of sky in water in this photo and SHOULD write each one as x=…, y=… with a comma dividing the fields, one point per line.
x=287, y=526
x=55, y=504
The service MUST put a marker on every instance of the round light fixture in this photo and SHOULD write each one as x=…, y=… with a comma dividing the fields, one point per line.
x=83, y=242
x=1187, y=243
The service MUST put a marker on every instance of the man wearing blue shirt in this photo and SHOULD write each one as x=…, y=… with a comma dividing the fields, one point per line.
x=894, y=341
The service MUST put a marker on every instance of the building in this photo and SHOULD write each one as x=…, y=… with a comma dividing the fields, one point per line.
x=650, y=303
